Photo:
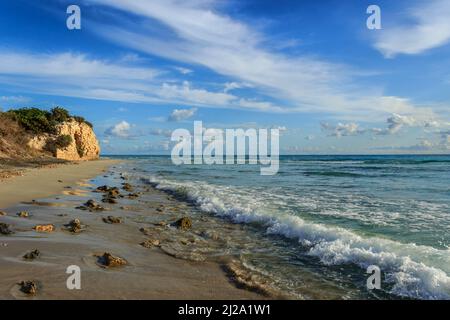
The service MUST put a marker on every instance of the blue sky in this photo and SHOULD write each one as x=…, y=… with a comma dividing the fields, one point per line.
x=139, y=69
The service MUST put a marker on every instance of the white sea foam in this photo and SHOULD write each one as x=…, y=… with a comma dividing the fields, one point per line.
x=414, y=271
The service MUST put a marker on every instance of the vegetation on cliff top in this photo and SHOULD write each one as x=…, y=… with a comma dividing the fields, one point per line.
x=19, y=125
x=41, y=121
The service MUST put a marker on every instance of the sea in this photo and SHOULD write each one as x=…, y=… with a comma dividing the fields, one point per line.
x=319, y=227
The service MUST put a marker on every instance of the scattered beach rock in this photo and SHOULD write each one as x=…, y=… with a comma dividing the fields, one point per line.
x=5, y=229
x=184, y=223
x=44, y=228
x=109, y=200
x=34, y=254
x=112, y=220
x=103, y=188
x=113, y=192
x=150, y=243
x=75, y=226
x=23, y=214
x=133, y=196
x=91, y=205
x=108, y=260
x=2, y=214
x=127, y=187
x=28, y=287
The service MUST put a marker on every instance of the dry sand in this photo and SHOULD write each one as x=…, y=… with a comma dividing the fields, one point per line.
x=150, y=273
x=43, y=182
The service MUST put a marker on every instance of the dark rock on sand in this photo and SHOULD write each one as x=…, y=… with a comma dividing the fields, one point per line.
x=75, y=226
x=112, y=220
x=109, y=200
x=133, y=195
x=113, y=192
x=184, y=223
x=102, y=188
x=91, y=205
x=23, y=214
x=4, y=229
x=127, y=187
x=150, y=243
x=108, y=260
x=32, y=255
x=2, y=214
x=28, y=287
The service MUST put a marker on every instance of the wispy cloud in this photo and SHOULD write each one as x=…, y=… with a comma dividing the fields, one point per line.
x=200, y=35
x=430, y=28
x=14, y=99
x=183, y=70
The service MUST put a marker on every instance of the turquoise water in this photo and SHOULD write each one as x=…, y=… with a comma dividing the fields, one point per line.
x=351, y=211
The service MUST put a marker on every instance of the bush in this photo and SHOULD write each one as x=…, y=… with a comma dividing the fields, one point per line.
x=63, y=141
x=41, y=121
x=33, y=119
x=59, y=114
x=82, y=120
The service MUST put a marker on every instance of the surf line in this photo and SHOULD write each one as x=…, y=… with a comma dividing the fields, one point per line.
x=211, y=146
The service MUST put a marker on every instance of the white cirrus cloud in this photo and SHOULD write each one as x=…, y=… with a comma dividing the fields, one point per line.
x=183, y=70
x=197, y=33
x=428, y=27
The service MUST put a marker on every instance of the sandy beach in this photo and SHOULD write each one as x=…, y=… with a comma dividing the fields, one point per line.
x=169, y=267
x=35, y=183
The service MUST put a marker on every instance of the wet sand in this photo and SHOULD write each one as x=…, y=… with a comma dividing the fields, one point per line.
x=174, y=269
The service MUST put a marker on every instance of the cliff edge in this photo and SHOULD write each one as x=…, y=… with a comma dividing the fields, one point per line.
x=30, y=133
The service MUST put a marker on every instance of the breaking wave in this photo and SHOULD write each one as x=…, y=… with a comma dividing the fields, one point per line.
x=414, y=271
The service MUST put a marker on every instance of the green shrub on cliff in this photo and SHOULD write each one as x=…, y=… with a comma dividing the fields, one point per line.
x=41, y=121
x=63, y=141
x=59, y=114
x=35, y=120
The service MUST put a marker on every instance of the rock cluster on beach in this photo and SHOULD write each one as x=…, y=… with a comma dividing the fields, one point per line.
x=108, y=260
x=28, y=287
x=5, y=229
x=115, y=239
x=34, y=254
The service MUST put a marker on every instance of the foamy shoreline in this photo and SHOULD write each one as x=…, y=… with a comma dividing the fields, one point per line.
x=151, y=273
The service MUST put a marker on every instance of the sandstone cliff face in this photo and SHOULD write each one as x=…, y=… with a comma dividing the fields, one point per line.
x=83, y=143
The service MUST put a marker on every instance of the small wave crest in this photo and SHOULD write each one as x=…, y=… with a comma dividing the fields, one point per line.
x=413, y=271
